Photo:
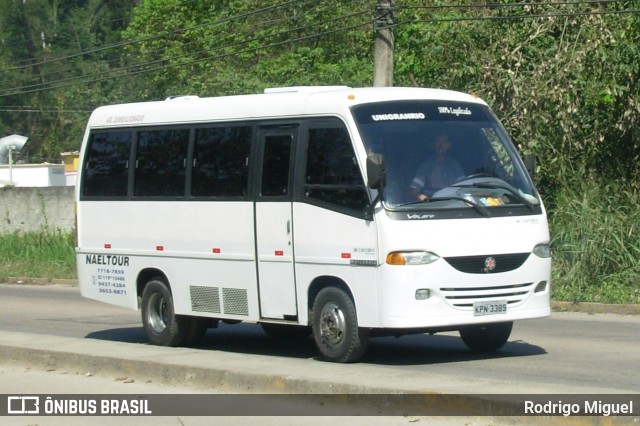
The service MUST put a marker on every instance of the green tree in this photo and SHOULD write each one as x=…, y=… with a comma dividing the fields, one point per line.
x=562, y=77
x=51, y=66
x=240, y=46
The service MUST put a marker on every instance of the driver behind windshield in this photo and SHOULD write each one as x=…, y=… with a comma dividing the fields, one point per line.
x=436, y=172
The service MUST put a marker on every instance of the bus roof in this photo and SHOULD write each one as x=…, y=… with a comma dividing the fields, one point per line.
x=274, y=103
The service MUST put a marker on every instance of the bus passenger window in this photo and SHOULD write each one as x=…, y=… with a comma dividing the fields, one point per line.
x=220, y=167
x=160, y=168
x=275, y=166
x=332, y=174
x=106, y=172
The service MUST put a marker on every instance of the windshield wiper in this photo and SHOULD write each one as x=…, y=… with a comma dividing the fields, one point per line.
x=480, y=208
x=505, y=186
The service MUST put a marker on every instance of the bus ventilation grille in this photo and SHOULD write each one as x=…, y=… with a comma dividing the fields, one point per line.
x=207, y=299
x=235, y=301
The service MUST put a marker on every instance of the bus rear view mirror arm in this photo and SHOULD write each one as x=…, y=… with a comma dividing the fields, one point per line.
x=376, y=171
x=376, y=179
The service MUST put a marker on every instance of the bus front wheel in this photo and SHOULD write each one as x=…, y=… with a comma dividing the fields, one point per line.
x=335, y=327
x=486, y=337
x=161, y=325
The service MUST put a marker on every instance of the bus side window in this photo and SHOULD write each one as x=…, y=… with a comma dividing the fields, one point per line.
x=220, y=167
x=332, y=173
x=275, y=168
x=106, y=170
x=161, y=163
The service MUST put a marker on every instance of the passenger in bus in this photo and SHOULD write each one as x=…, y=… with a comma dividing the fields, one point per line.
x=436, y=172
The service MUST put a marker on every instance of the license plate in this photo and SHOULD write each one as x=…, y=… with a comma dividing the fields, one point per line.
x=493, y=307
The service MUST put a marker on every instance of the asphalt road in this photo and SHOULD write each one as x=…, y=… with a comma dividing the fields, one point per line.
x=566, y=353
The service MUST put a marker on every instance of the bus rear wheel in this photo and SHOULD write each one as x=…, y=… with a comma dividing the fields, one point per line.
x=486, y=337
x=335, y=327
x=161, y=325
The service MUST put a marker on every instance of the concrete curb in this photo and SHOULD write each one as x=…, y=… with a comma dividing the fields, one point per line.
x=42, y=281
x=595, y=308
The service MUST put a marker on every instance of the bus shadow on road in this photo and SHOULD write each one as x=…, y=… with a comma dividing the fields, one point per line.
x=418, y=349
x=125, y=335
x=413, y=349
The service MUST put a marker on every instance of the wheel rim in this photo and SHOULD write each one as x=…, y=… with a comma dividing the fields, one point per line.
x=157, y=313
x=332, y=324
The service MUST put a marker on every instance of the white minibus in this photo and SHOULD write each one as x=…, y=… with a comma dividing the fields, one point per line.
x=345, y=213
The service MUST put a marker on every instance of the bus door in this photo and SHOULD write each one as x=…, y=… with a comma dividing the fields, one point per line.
x=274, y=225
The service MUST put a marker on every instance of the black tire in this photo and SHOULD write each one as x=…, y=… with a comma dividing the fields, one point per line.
x=161, y=325
x=486, y=337
x=285, y=331
x=335, y=327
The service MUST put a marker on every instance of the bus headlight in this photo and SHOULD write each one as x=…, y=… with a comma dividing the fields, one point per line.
x=411, y=258
x=542, y=250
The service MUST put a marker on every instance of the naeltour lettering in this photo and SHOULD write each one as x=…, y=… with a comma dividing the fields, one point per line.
x=107, y=259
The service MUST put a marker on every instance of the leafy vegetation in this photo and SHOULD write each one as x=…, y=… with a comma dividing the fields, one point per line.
x=38, y=254
x=596, y=242
x=562, y=76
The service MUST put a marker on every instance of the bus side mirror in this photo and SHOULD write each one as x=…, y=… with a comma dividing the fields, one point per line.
x=530, y=164
x=376, y=171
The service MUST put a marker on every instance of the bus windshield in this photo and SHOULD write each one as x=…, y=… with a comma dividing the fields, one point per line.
x=444, y=155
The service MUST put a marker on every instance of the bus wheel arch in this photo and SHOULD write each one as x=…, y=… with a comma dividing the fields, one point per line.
x=145, y=276
x=322, y=282
x=334, y=321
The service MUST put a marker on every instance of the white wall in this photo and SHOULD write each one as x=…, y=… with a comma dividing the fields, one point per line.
x=33, y=175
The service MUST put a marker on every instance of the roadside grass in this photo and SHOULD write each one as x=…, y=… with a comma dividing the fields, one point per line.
x=37, y=255
x=596, y=242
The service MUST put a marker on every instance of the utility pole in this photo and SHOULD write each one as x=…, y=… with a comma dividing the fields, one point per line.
x=384, y=43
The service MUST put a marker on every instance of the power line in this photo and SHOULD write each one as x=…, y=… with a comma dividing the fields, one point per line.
x=153, y=37
x=150, y=66
x=46, y=111
x=193, y=61
x=511, y=5
x=269, y=8
x=124, y=44
x=88, y=78
x=518, y=17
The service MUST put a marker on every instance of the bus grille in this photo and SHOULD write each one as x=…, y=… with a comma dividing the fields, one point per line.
x=464, y=297
x=207, y=299
x=480, y=264
x=235, y=301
